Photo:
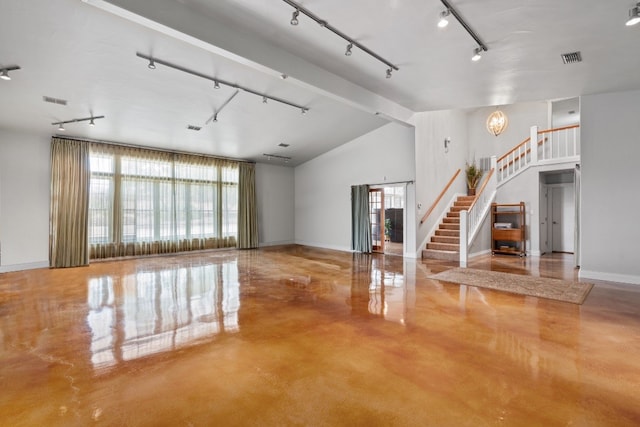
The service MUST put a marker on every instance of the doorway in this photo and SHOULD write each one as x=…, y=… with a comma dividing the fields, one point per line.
x=386, y=210
x=557, y=212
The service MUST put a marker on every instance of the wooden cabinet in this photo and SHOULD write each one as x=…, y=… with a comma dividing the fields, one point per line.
x=508, y=229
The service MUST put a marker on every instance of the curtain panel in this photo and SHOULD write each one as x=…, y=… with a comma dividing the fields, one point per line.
x=247, y=212
x=360, y=220
x=68, y=214
x=146, y=202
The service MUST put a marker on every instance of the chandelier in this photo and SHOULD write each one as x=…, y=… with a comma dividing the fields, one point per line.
x=497, y=122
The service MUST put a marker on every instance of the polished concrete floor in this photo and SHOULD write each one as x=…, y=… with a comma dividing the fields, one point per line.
x=294, y=336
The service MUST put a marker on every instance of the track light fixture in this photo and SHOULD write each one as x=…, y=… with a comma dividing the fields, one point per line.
x=304, y=111
x=219, y=81
x=477, y=54
x=294, y=17
x=216, y=85
x=443, y=22
x=214, y=118
x=634, y=15
x=299, y=9
x=4, y=72
x=84, y=119
x=264, y=99
x=389, y=71
x=152, y=64
x=481, y=46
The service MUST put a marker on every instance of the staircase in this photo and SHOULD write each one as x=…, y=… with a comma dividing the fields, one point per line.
x=445, y=243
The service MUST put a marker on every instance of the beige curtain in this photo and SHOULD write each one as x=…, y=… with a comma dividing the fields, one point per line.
x=147, y=202
x=70, y=177
x=247, y=212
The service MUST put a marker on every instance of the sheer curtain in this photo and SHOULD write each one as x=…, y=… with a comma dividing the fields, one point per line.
x=68, y=213
x=360, y=221
x=149, y=202
x=247, y=213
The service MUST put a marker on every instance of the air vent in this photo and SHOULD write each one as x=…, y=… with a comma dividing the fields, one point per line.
x=282, y=144
x=192, y=127
x=54, y=100
x=570, y=58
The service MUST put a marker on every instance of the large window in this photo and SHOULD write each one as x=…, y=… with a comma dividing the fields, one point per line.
x=143, y=201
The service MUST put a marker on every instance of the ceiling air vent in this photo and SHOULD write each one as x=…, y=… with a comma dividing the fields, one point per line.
x=282, y=144
x=192, y=127
x=54, y=100
x=570, y=58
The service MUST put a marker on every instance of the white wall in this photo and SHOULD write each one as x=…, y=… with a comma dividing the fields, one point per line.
x=275, y=195
x=610, y=204
x=434, y=165
x=521, y=117
x=24, y=200
x=323, y=185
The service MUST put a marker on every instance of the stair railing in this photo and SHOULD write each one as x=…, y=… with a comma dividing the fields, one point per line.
x=553, y=145
x=471, y=219
x=440, y=196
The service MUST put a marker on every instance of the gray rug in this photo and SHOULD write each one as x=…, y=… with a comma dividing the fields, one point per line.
x=541, y=287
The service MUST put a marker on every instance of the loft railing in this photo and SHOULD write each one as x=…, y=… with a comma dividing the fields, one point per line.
x=471, y=219
x=553, y=145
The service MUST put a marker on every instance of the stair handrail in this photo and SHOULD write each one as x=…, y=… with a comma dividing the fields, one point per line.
x=504, y=156
x=440, y=196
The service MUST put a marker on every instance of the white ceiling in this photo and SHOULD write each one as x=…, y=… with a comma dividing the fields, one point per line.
x=85, y=52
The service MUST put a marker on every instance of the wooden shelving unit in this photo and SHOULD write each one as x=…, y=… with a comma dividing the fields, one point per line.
x=508, y=229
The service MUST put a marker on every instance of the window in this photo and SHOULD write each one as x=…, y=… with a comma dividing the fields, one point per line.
x=142, y=199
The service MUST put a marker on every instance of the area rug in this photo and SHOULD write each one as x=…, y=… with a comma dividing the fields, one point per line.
x=541, y=287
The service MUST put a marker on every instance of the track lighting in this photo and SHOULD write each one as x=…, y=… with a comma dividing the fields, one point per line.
x=294, y=17
x=4, y=72
x=634, y=15
x=304, y=111
x=84, y=119
x=348, y=51
x=477, y=54
x=215, y=118
x=264, y=99
x=217, y=82
x=323, y=23
x=443, y=22
x=216, y=85
x=152, y=64
x=389, y=71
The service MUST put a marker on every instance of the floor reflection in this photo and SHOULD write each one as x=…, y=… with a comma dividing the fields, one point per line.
x=156, y=311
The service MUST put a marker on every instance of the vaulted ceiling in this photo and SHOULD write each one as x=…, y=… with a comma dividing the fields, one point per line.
x=85, y=53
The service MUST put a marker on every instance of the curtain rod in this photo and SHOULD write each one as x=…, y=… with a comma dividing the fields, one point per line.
x=392, y=183
x=164, y=150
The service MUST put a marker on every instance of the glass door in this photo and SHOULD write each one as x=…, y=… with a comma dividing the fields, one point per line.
x=376, y=213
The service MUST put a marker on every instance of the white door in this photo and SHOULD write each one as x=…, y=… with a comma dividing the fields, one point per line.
x=544, y=219
x=563, y=218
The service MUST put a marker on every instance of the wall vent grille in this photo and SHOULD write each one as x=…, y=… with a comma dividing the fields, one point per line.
x=52, y=100
x=192, y=127
x=570, y=58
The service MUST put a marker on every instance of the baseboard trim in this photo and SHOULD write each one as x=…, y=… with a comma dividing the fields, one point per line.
x=609, y=277
x=280, y=243
x=323, y=246
x=22, y=267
